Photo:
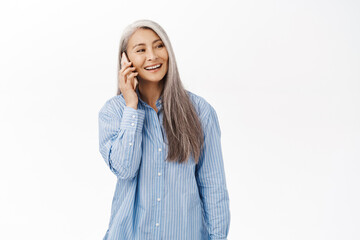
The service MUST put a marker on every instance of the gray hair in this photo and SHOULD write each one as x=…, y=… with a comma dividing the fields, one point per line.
x=181, y=122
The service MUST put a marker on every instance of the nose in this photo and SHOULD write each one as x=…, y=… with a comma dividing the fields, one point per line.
x=151, y=55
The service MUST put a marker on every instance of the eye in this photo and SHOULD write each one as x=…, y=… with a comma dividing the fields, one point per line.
x=140, y=50
x=161, y=45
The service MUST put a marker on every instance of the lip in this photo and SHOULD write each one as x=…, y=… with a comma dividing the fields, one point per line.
x=154, y=70
x=153, y=65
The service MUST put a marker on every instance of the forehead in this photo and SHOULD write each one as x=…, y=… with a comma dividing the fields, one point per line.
x=146, y=36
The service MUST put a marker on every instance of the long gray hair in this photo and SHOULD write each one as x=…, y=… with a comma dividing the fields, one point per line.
x=181, y=122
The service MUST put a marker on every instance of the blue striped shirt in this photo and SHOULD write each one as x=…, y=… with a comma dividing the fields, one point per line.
x=156, y=199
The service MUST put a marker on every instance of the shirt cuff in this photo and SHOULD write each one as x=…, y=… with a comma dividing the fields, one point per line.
x=132, y=119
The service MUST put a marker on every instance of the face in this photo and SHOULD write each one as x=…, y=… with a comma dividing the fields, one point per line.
x=145, y=49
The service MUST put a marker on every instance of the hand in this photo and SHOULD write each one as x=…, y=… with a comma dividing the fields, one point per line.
x=128, y=83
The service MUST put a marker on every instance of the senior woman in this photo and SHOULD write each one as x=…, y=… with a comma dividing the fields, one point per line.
x=162, y=142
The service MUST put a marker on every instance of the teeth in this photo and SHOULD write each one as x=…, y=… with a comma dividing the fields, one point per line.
x=149, y=68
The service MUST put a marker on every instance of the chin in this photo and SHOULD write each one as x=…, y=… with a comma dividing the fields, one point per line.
x=151, y=78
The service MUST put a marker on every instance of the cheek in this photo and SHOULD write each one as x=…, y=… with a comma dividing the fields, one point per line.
x=137, y=61
x=137, y=64
x=166, y=55
x=167, y=64
x=166, y=58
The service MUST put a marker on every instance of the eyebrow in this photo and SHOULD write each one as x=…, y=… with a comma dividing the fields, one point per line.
x=139, y=44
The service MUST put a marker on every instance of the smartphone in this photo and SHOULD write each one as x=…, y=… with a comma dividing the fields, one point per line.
x=126, y=60
x=125, y=57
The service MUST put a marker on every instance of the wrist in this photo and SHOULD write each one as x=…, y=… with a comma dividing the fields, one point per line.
x=132, y=105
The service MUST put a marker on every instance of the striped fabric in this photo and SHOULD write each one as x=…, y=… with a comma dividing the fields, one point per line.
x=156, y=199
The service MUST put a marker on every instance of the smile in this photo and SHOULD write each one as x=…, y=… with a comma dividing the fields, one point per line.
x=153, y=68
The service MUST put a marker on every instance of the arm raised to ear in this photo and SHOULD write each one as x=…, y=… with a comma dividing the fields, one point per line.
x=120, y=137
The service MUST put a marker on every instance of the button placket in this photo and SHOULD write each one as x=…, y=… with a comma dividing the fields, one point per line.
x=158, y=199
x=160, y=169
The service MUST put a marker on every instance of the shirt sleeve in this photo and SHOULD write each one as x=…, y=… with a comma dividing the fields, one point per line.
x=120, y=138
x=210, y=176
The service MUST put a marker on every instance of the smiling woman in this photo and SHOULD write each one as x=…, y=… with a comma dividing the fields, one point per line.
x=148, y=55
x=163, y=144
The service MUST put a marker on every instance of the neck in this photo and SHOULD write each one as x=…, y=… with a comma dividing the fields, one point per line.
x=150, y=91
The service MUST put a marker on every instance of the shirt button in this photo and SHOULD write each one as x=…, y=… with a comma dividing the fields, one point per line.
x=158, y=199
x=159, y=149
x=159, y=173
x=132, y=124
x=133, y=116
x=157, y=224
x=130, y=144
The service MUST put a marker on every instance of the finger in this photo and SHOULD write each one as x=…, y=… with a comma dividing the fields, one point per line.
x=128, y=70
x=136, y=82
x=125, y=76
x=130, y=79
x=125, y=67
x=132, y=75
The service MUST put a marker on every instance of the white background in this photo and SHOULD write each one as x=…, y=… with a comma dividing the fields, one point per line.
x=283, y=77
